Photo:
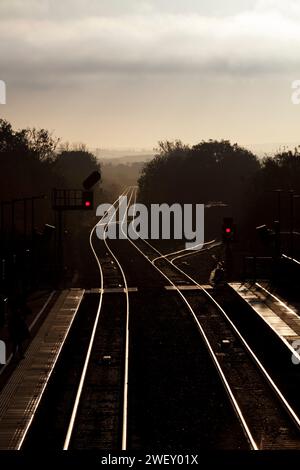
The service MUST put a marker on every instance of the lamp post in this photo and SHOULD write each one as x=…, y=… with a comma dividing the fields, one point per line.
x=33, y=199
x=292, y=198
x=279, y=192
x=9, y=239
x=2, y=206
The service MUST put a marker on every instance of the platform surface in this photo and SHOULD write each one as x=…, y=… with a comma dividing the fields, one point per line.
x=274, y=311
x=21, y=395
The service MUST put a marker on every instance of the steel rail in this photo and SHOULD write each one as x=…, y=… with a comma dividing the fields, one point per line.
x=91, y=342
x=230, y=394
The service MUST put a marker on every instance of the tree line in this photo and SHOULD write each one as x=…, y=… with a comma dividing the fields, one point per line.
x=222, y=174
x=33, y=162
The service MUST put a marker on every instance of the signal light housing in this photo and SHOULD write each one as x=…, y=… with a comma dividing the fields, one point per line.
x=87, y=200
x=228, y=230
x=91, y=180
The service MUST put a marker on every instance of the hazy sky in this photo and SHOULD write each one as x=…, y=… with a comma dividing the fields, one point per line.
x=127, y=73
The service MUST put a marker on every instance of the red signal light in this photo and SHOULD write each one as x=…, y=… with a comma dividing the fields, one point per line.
x=228, y=230
x=87, y=200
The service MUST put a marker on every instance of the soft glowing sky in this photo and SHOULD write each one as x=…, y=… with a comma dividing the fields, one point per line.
x=127, y=73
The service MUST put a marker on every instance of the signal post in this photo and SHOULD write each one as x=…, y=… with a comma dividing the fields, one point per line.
x=228, y=237
x=72, y=200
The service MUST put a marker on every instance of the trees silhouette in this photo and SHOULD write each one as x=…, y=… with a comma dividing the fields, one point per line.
x=208, y=171
x=26, y=158
x=215, y=173
x=282, y=170
x=218, y=171
x=74, y=166
x=276, y=182
x=32, y=166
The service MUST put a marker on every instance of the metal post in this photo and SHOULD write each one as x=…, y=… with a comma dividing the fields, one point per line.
x=60, y=241
x=294, y=196
x=279, y=222
x=279, y=206
x=228, y=261
x=25, y=216
x=2, y=223
x=13, y=220
x=279, y=192
x=291, y=222
x=32, y=219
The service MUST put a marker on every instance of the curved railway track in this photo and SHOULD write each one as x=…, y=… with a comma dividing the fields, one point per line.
x=100, y=336
x=277, y=425
x=98, y=414
x=119, y=280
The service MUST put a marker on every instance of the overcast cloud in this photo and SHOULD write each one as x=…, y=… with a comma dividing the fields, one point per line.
x=213, y=68
x=51, y=42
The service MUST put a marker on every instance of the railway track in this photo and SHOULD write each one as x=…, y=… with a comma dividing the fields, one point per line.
x=267, y=418
x=158, y=400
x=274, y=353
x=176, y=399
x=85, y=403
x=117, y=342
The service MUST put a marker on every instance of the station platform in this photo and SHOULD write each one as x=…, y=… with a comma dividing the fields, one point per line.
x=21, y=395
x=283, y=320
